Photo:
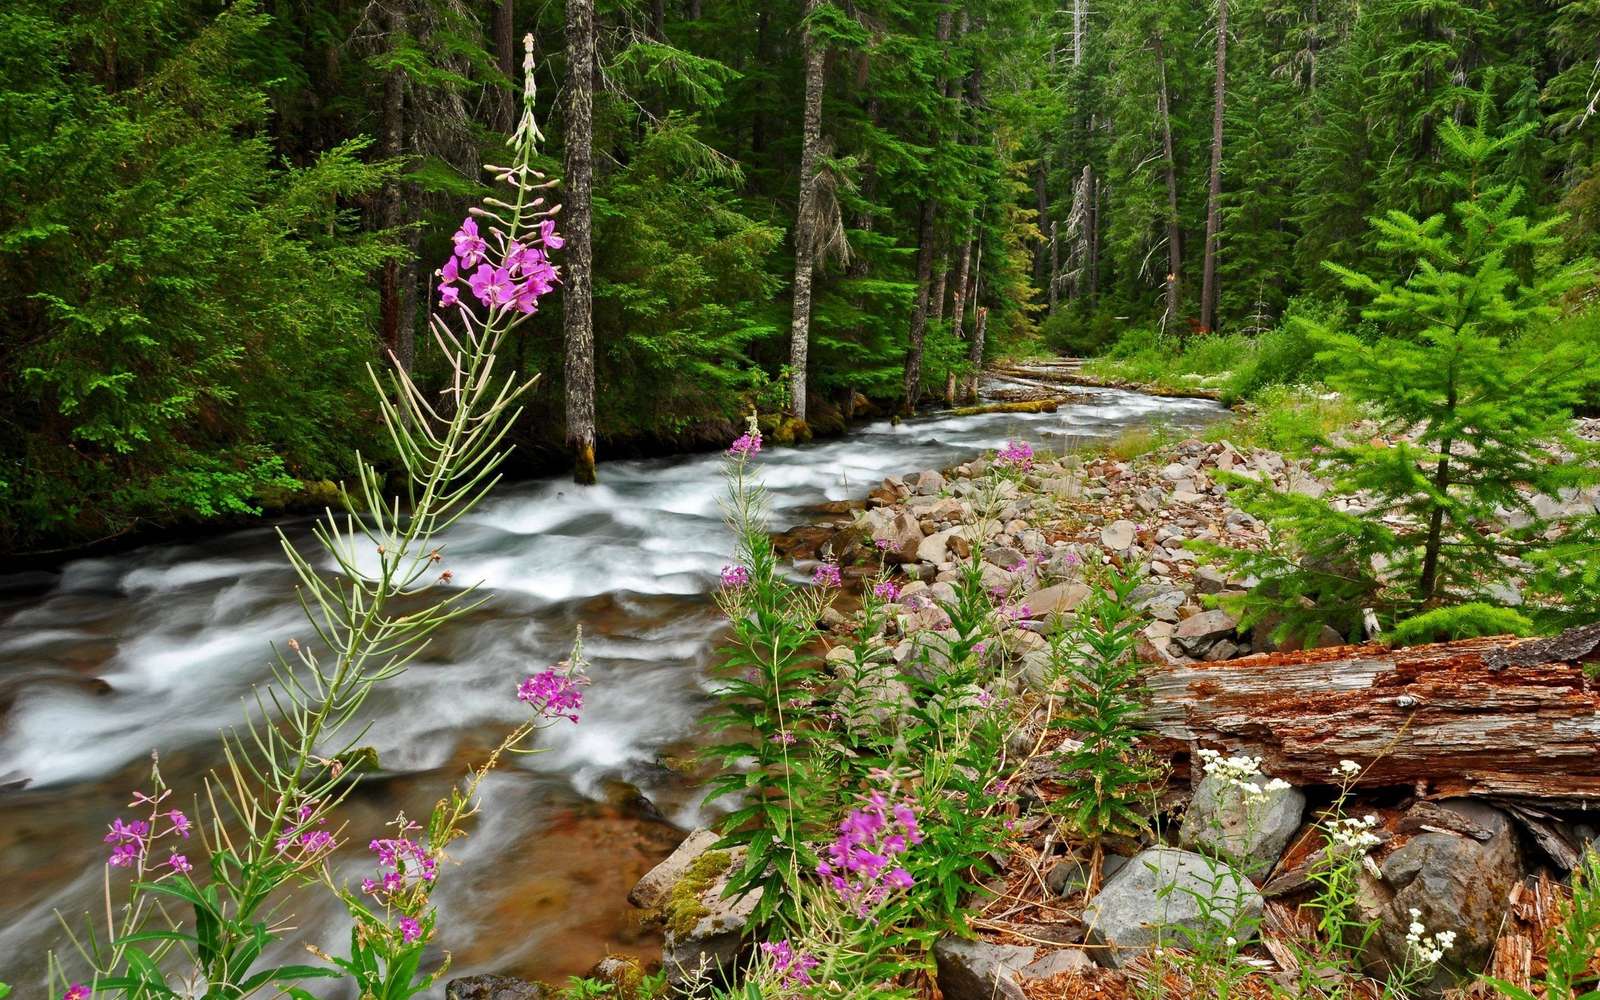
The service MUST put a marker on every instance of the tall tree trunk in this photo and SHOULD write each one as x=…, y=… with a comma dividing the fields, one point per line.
x=1429, y=584
x=505, y=54
x=975, y=348
x=919, y=311
x=658, y=20
x=958, y=308
x=758, y=120
x=397, y=288
x=926, y=234
x=578, y=299
x=1055, y=265
x=1042, y=208
x=1174, y=230
x=1077, y=32
x=805, y=237
x=1208, y=291
x=1093, y=223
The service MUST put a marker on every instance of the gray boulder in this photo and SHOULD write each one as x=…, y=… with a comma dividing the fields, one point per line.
x=651, y=891
x=1456, y=883
x=979, y=970
x=1198, y=633
x=1165, y=896
x=492, y=988
x=1118, y=535
x=1251, y=831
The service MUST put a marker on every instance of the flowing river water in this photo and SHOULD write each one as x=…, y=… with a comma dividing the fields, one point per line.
x=152, y=650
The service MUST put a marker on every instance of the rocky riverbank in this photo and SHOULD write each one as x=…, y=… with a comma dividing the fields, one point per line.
x=1239, y=850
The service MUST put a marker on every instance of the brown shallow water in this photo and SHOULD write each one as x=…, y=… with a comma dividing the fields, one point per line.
x=151, y=650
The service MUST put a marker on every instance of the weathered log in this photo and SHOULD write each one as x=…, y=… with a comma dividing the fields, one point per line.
x=1500, y=716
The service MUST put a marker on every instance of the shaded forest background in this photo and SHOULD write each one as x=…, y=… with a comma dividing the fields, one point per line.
x=214, y=216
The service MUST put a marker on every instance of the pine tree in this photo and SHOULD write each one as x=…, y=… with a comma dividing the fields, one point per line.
x=1476, y=415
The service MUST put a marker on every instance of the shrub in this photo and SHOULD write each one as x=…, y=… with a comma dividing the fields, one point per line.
x=1464, y=621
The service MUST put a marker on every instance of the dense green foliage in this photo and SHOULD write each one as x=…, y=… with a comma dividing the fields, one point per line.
x=182, y=177
x=1473, y=416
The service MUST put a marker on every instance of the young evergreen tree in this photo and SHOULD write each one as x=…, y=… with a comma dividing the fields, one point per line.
x=1476, y=417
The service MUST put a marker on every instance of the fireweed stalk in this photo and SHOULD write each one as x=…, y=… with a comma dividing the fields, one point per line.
x=766, y=705
x=200, y=925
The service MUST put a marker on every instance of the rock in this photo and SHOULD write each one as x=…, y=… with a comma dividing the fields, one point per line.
x=901, y=532
x=1003, y=556
x=492, y=988
x=705, y=930
x=1167, y=896
x=981, y=970
x=1252, y=834
x=1176, y=472
x=1209, y=580
x=651, y=891
x=935, y=548
x=978, y=970
x=1060, y=598
x=1118, y=535
x=1070, y=875
x=1457, y=884
x=925, y=484
x=1197, y=633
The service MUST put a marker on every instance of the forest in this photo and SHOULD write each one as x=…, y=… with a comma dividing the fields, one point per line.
x=833, y=500
x=181, y=176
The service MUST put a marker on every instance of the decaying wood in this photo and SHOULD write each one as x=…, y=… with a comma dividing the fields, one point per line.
x=1516, y=718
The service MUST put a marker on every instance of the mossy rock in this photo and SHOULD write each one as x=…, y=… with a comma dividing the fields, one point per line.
x=685, y=906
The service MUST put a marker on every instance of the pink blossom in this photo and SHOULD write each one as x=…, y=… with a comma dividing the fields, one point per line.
x=734, y=577
x=1017, y=454
x=792, y=967
x=470, y=247
x=179, y=863
x=553, y=695
x=827, y=575
x=548, y=235
x=180, y=823
x=746, y=444
x=410, y=930
x=77, y=991
x=888, y=590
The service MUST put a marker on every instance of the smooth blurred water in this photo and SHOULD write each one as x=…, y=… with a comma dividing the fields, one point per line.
x=153, y=650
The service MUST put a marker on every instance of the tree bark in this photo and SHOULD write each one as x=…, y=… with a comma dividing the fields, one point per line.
x=1055, y=266
x=1208, y=290
x=958, y=295
x=578, y=298
x=1174, y=229
x=1041, y=209
x=980, y=330
x=919, y=311
x=1497, y=716
x=805, y=237
x=397, y=287
x=1441, y=485
x=505, y=53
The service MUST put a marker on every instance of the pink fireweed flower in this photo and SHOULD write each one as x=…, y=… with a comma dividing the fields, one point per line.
x=180, y=823
x=548, y=235
x=882, y=544
x=492, y=285
x=1017, y=454
x=179, y=863
x=784, y=737
x=734, y=577
x=410, y=930
x=553, y=695
x=470, y=247
x=888, y=590
x=402, y=863
x=122, y=832
x=827, y=575
x=746, y=444
x=77, y=991
x=125, y=854
x=860, y=864
x=793, y=968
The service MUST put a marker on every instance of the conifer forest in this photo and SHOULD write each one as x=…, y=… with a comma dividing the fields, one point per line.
x=643, y=499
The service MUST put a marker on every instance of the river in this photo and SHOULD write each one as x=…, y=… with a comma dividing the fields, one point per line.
x=151, y=650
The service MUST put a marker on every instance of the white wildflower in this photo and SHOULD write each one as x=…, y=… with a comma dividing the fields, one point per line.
x=1427, y=949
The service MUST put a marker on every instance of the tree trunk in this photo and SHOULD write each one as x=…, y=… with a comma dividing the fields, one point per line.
x=1077, y=32
x=1441, y=485
x=1055, y=266
x=1174, y=230
x=1041, y=207
x=658, y=20
x=805, y=237
x=1208, y=290
x=505, y=54
x=1093, y=223
x=919, y=311
x=578, y=298
x=397, y=295
x=1498, y=716
x=980, y=329
x=958, y=295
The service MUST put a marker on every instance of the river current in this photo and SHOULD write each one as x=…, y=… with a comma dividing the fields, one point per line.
x=109, y=659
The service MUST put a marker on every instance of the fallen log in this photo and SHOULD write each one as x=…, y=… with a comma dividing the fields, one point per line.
x=1507, y=717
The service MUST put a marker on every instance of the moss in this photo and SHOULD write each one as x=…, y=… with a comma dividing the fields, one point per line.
x=1464, y=621
x=684, y=907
